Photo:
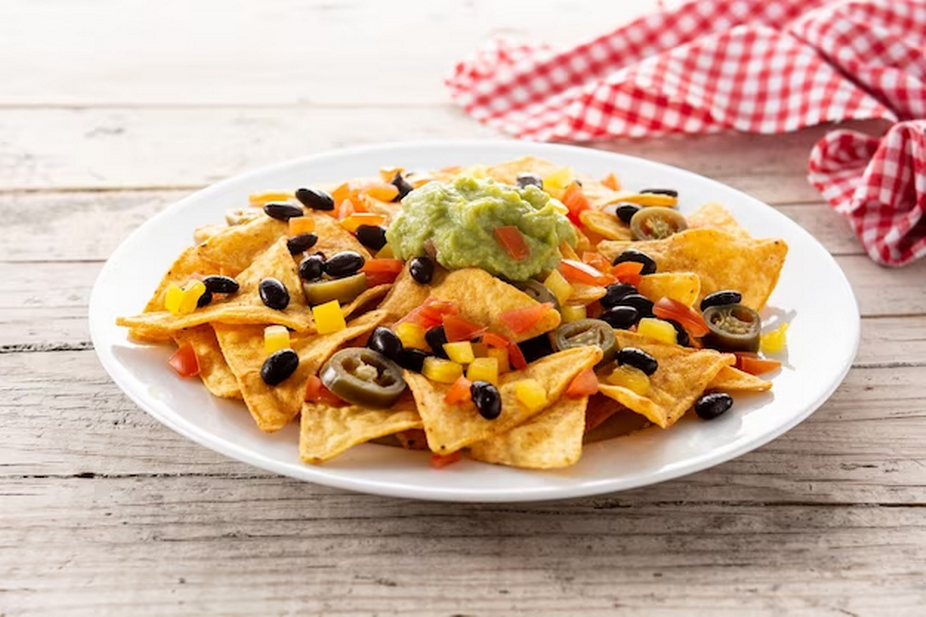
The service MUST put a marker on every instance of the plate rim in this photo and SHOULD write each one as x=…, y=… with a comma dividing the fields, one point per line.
x=118, y=373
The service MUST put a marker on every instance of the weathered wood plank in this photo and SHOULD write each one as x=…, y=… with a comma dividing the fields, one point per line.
x=62, y=417
x=187, y=148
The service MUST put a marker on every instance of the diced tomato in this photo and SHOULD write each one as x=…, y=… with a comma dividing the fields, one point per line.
x=495, y=340
x=691, y=320
x=459, y=392
x=381, y=271
x=523, y=319
x=596, y=261
x=439, y=461
x=184, y=361
x=516, y=357
x=628, y=272
x=431, y=312
x=755, y=365
x=574, y=199
x=375, y=279
x=611, y=182
x=316, y=392
x=583, y=384
x=512, y=240
x=458, y=329
x=578, y=272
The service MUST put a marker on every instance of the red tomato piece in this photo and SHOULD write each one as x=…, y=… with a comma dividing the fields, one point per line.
x=611, y=182
x=375, y=279
x=691, y=320
x=628, y=272
x=431, y=313
x=755, y=365
x=495, y=340
x=516, y=357
x=597, y=261
x=575, y=201
x=459, y=392
x=316, y=392
x=583, y=384
x=523, y=319
x=458, y=329
x=439, y=461
x=184, y=361
x=578, y=272
x=381, y=271
x=512, y=240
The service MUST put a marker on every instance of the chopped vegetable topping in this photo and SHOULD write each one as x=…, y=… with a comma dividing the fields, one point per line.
x=501, y=357
x=583, y=384
x=484, y=369
x=352, y=222
x=775, y=341
x=631, y=378
x=578, y=272
x=611, y=182
x=573, y=313
x=658, y=330
x=275, y=339
x=691, y=320
x=299, y=225
x=439, y=461
x=259, y=200
x=523, y=319
x=512, y=240
x=531, y=394
x=461, y=352
x=184, y=361
x=458, y=392
x=412, y=335
x=458, y=329
x=560, y=287
x=442, y=371
x=328, y=317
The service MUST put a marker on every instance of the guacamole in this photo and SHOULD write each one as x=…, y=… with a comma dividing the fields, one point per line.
x=459, y=220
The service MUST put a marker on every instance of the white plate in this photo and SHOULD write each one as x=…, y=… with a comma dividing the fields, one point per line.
x=813, y=294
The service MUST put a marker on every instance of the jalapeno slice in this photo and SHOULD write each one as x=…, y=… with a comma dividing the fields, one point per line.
x=733, y=327
x=587, y=332
x=538, y=291
x=363, y=377
x=343, y=290
x=656, y=223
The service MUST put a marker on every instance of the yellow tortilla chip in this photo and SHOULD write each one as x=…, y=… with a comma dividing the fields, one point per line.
x=367, y=298
x=482, y=297
x=599, y=409
x=213, y=369
x=721, y=260
x=235, y=248
x=712, y=215
x=327, y=431
x=273, y=407
x=332, y=238
x=405, y=295
x=681, y=378
x=451, y=427
x=583, y=295
x=731, y=379
x=243, y=307
x=598, y=195
x=606, y=225
x=204, y=232
x=682, y=286
x=550, y=440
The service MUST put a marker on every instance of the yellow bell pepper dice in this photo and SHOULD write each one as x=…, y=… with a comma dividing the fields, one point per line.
x=275, y=339
x=501, y=358
x=560, y=287
x=440, y=370
x=328, y=317
x=172, y=298
x=461, y=352
x=631, y=378
x=531, y=394
x=658, y=330
x=190, y=298
x=411, y=335
x=774, y=341
x=573, y=313
x=483, y=369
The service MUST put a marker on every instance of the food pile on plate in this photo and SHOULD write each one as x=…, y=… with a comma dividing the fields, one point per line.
x=499, y=311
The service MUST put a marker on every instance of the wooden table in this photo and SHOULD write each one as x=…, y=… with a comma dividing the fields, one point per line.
x=111, y=110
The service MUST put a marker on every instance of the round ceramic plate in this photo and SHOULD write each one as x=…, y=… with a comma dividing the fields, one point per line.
x=812, y=294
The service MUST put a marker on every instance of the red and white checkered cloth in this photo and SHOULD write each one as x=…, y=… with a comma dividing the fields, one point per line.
x=763, y=66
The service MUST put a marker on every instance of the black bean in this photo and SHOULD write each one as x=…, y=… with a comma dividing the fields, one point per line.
x=274, y=293
x=649, y=264
x=386, y=342
x=486, y=398
x=536, y=348
x=204, y=299
x=721, y=298
x=422, y=269
x=317, y=199
x=344, y=264
x=681, y=334
x=301, y=243
x=669, y=192
x=713, y=404
x=412, y=359
x=282, y=211
x=218, y=284
x=527, y=179
x=312, y=267
x=371, y=236
x=643, y=304
x=402, y=184
x=614, y=292
x=638, y=358
x=278, y=366
x=437, y=338
x=620, y=317
x=625, y=212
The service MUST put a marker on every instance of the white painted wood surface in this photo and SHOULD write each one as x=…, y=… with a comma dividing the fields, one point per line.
x=111, y=110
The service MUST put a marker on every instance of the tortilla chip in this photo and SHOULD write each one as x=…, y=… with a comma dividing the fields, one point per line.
x=243, y=307
x=332, y=238
x=482, y=297
x=550, y=440
x=204, y=232
x=605, y=224
x=187, y=264
x=367, y=298
x=235, y=248
x=599, y=409
x=405, y=295
x=413, y=439
x=681, y=378
x=682, y=286
x=721, y=260
x=451, y=427
x=731, y=379
x=273, y=407
x=583, y=295
x=213, y=369
x=712, y=215
x=598, y=195
x=327, y=431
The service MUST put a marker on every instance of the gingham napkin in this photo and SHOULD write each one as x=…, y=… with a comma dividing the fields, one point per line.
x=763, y=66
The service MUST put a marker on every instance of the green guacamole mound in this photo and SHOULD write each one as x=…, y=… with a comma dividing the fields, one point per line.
x=459, y=220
